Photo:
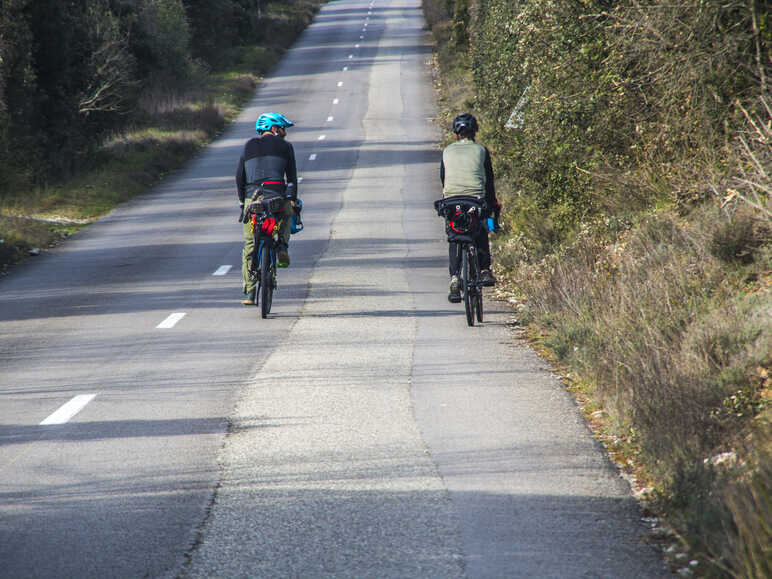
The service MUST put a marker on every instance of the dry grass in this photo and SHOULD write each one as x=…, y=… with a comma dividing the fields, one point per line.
x=672, y=340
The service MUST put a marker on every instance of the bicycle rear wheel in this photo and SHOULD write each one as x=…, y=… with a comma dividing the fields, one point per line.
x=266, y=281
x=479, y=306
x=467, y=286
x=478, y=290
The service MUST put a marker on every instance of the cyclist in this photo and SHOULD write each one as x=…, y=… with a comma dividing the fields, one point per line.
x=267, y=160
x=466, y=169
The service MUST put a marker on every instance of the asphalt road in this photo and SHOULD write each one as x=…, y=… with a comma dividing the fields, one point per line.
x=363, y=430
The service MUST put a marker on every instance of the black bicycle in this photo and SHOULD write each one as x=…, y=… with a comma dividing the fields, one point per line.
x=266, y=215
x=463, y=216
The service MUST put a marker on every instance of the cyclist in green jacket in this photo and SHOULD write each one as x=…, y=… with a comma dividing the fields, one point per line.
x=466, y=169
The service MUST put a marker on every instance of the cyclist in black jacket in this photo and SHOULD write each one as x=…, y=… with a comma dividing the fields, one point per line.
x=267, y=160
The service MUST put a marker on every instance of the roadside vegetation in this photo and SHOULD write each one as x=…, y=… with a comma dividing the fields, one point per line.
x=632, y=144
x=100, y=99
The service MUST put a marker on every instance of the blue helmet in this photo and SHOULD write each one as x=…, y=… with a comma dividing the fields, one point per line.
x=268, y=120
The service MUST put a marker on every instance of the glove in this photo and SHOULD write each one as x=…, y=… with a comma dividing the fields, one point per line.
x=291, y=192
x=241, y=215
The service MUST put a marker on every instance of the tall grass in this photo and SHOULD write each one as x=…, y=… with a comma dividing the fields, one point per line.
x=671, y=333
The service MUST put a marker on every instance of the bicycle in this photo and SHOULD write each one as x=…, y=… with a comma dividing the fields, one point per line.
x=463, y=216
x=265, y=227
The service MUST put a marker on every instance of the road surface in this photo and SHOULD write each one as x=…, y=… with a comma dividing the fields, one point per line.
x=151, y=426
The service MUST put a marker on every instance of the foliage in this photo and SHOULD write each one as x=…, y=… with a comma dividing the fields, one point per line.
x=627, y=102
x=73, y=73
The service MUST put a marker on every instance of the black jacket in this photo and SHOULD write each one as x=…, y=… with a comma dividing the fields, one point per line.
x=266, y=157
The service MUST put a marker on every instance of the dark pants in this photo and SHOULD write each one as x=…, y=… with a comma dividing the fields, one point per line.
x=483, y=252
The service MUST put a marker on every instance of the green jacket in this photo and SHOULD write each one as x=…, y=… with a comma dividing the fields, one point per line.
x=466, y=169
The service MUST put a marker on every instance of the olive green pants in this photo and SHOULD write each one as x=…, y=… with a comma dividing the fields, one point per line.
x=285, y=224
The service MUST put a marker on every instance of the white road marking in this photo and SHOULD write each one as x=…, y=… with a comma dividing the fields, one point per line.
x=330, y=119
x=356, y=46
x=171, y=321
x=222, y=270
x=312, y=157
x=361, y=37
x=335, y=101
x=68, y=410
x=350, y=56
x=340, y=83
x=322, y=137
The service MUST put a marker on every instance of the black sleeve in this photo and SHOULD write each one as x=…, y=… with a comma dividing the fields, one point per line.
x=490, y=189
x=291, y=170
x=241, y=180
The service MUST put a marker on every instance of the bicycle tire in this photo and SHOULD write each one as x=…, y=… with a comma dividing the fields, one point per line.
x=266, y=282
x=466, y=286
x=478, y=290
x=479, y=306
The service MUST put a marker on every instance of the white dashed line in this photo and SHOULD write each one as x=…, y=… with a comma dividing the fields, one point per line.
x=340, y=83
x=171, y=321
x=322, y=137
x=335, y=101
x=222, y=270
x=69, y=410
x=312, y=157
x=330, y=119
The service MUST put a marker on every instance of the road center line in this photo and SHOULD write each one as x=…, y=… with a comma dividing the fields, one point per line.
x=171, y=321
x=68, y=410
x=222, y=270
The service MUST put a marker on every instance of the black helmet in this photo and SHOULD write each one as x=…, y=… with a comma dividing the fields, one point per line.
x=465, y=124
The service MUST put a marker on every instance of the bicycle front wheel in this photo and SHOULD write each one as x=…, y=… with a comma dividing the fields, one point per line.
x=266, y=281
x=467, y=286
